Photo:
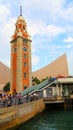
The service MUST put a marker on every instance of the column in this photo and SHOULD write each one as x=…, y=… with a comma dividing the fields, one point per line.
x=57, y=88
x=44, y=93
x=61, y=89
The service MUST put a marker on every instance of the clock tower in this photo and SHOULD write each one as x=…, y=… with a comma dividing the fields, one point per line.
x=20, y=57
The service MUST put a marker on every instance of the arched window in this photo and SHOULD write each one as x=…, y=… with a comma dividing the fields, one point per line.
x=24, y=41
x=25, y=75
x=25, y=87
x=25, y=64
x=24, y=56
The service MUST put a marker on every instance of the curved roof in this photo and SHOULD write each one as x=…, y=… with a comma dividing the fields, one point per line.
x=4, y=74
x=57, y=67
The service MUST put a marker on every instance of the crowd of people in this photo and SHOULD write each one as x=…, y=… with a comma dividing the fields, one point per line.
x=8, y=99
x=33, y=97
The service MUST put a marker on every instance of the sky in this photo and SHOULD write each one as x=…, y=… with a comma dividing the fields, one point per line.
x=50, y=24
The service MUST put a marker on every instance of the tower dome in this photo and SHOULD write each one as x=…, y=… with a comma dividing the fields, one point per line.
x=20, y=18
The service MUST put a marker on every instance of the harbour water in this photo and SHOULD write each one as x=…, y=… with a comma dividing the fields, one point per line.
x=51, y=120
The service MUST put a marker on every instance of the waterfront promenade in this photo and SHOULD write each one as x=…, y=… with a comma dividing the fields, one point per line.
x=14, y=116
x=15, y=109
x=8, y=100
x=17, y=113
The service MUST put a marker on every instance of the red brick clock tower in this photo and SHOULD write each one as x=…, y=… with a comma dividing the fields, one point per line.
x=20, y=57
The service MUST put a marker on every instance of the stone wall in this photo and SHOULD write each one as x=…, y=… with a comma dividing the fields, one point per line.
x=13, y=117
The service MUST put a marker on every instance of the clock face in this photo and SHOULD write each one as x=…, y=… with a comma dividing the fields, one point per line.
x=24, y=48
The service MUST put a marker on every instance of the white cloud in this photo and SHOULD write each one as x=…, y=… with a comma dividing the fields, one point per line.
x=66, y=14
x=54, y=30
x=4, y=12
x=55, y=10
x=50, y=9
x=49, y=5
x=69, y=46
x=8, y=29
x=39, y=27
x=68, y=39
x=35, y=60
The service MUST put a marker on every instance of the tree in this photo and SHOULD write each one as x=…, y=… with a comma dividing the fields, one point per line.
x=44, y=79
x=35, y=81
x=7, y=87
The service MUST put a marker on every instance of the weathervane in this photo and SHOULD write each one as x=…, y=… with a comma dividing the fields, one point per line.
x=20, y=10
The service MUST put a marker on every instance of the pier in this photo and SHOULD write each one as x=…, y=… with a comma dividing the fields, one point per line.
x=54, y=92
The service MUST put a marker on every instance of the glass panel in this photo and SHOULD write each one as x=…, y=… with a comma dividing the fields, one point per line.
x=49, y=92
x=66, y=91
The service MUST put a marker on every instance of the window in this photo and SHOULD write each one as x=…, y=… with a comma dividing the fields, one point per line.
x=24, y=48
x=24, y=56
x=25, y=87
x=24, y=41
x=25, y=75
x=23, y=26
x=25, y=64
x=15, y=49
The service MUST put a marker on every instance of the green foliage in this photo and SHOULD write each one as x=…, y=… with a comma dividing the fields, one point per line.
x=7, y=87
x=44, y=79
x=35, y=81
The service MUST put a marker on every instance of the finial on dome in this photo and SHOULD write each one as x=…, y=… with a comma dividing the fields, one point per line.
x=20, y=10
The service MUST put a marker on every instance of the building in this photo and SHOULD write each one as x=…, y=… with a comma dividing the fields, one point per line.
x=54, y=90
x=57, y=67
x=4, y=75
x=20, y=57
x=19, y=75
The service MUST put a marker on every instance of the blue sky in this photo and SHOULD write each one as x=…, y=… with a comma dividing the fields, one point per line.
x=50, y=24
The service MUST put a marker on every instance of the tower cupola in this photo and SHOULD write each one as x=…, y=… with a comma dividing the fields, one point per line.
x=21, y=28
